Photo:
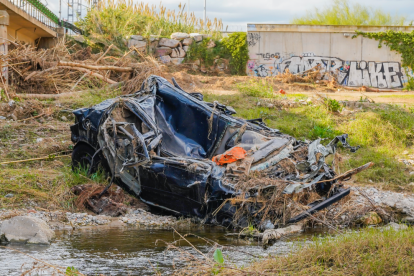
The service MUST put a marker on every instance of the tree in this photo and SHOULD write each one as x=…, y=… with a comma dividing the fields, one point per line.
x=341, y=12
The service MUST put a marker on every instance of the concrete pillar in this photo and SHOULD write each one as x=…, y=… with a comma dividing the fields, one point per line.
x=4, y=22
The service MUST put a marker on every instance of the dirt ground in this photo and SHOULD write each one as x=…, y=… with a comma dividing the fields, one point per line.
x=227, y=85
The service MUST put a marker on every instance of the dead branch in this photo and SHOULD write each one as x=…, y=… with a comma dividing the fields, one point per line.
x=99, y=76
x=107, y=50
x=350, y=173
x=95, y=67
x=35, y=159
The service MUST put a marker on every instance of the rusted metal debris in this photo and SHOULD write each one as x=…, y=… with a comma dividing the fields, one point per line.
x=159, y=143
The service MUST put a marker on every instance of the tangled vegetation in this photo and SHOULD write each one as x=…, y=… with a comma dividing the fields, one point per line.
x=236, y=45
x=341, y=12
x=233, y=47
x=367, y=252
x=114, y=20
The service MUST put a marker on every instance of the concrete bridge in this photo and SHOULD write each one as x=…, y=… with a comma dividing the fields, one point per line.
x=31, y=22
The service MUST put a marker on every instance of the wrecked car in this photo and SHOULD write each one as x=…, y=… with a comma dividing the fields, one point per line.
x=193, y=158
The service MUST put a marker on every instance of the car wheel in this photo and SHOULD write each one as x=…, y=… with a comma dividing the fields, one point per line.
x=82, y=158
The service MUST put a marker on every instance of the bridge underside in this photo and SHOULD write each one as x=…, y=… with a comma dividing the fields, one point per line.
x=23, y=27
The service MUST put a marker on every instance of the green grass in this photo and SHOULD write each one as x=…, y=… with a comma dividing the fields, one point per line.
x=49, y=187
x=114, y=21
x=367, y=252
x=91, y=97
x=257, y=88
x=383, y=132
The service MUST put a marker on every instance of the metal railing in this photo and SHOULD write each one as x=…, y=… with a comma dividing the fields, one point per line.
x=39, y=11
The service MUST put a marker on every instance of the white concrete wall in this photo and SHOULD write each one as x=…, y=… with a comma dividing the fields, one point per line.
x=353, y=61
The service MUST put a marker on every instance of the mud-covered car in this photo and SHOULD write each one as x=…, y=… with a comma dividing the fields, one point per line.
x=177, y=152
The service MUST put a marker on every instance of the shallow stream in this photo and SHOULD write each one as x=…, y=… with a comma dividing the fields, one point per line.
x=131, y=251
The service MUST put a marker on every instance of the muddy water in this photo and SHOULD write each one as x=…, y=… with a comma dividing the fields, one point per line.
x=129, y=251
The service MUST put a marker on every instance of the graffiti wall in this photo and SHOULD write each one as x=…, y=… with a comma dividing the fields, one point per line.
x=353, y=62
x=349, y=73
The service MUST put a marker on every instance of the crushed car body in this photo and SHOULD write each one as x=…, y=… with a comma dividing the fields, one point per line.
x=193, y=158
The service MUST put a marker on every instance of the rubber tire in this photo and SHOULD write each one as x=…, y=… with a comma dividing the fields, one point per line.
x=82, y=156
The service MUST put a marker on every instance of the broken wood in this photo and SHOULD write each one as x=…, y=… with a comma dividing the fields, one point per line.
x=99, y=76
x=107, y=50
x=95, y=67
x=350, y=173
x=30, y=118
x=35, y=159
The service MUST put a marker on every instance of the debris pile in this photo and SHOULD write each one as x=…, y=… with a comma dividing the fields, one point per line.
x=67, y=66
x=176, y=152
x=111, y=202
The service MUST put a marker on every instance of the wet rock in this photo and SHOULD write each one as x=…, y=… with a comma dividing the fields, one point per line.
x=162, y=51
x=165, y=42
x=396, y=226
x=26, y=229
x=179, y=36
x=371, y=218
x=187, y=41
x=275, y=234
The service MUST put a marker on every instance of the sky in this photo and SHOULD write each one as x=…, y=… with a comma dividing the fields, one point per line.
x=236, y=14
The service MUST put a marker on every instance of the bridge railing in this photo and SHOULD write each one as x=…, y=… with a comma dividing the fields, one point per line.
x=39, y=11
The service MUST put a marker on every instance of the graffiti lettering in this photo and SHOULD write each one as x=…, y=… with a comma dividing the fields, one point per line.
x=269, y=56
x=349, y=73
x=372, y=74
x=262, y=71
x=253, y=38
x=297, y=64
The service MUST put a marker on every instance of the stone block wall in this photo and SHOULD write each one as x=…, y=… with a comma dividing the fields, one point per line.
x=168, y=50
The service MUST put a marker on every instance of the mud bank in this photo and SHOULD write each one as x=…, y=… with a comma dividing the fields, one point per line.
x=399, y=206
x=62, y=220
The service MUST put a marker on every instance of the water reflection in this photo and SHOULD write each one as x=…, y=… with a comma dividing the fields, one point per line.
x=129, y=251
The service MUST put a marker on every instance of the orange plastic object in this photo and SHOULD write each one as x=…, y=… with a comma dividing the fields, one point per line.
x=230, y=156
x=281, y=91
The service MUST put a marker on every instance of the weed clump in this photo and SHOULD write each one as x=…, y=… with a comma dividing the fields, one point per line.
x=367, y=252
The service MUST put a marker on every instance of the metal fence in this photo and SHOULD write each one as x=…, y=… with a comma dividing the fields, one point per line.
x=39, y=11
